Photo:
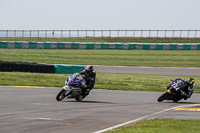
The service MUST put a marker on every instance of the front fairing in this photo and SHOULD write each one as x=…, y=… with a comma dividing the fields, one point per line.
x=176, y=89
x=74, y=80
x=169, y=96
x=66, y=87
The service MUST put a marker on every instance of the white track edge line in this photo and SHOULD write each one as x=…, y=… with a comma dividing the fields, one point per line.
x=138, y=119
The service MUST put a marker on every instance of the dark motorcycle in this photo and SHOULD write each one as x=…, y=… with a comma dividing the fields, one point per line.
x=72, y=88
x=173, y=92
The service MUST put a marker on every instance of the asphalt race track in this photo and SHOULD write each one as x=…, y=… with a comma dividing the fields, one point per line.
x=35, y=110
x=148, y=70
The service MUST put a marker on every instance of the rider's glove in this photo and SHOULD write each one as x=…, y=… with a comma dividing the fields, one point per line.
x=169, y=85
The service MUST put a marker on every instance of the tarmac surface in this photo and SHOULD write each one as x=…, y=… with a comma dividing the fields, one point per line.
x=35, y=110
x=148, y=70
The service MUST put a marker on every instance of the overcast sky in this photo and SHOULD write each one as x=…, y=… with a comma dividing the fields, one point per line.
x=99, y=14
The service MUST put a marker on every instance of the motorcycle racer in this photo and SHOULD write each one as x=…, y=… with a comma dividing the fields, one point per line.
x=187, y=89
x=89, y=75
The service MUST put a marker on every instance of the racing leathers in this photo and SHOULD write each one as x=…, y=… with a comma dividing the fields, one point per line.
x=90, y=81
x=187, y=90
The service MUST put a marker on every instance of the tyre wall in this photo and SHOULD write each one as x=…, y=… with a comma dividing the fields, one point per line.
x=33, y=67
x=6, y=66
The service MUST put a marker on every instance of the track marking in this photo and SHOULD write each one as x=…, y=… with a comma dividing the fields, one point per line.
x=190, y=108
x=52, y=123
x=9, y=92
x=60, y=123
x=80, y=109
x=40, y=104
x=29, y=86
x=139, y=119
x=42, y=118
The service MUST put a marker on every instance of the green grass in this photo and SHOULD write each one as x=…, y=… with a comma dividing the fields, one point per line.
x=150, y=58
x=134, y=82
x=107, y=39
x=161, y=126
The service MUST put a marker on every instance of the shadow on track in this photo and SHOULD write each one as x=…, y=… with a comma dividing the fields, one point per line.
x=185, y=102
x=90, y=102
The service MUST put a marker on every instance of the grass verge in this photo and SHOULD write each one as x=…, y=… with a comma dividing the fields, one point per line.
x=106, y=39
x=134, y=82
x=149, y=58
x=161, y=126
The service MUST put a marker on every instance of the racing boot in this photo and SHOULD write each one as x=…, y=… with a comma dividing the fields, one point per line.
x=183, y=95
x=87, y=92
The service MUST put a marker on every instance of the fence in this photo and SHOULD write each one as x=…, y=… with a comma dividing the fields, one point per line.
x=98, y=33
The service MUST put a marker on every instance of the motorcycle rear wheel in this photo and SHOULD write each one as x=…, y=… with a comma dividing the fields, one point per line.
x=162, y=97
x=79, y=98
x=61, y=95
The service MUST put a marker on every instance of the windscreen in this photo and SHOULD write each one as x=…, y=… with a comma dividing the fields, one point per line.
x=77, y=76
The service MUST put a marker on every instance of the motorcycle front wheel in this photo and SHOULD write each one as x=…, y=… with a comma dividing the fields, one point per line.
x=162, y=97
x=61, y=95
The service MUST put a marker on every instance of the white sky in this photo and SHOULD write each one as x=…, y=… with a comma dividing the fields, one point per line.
x=99, y=14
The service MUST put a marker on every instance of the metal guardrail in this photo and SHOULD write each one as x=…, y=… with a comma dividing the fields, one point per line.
x=99, y=33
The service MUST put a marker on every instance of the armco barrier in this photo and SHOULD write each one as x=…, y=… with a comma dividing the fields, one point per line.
x=80, y=45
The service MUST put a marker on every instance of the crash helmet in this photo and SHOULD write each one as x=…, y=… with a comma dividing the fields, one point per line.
x=89, y=69
x=190, y=81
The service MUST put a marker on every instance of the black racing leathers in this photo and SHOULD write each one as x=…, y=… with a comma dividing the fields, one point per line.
x=89, y=78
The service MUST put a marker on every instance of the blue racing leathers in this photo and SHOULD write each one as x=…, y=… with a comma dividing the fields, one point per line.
x=188, y=89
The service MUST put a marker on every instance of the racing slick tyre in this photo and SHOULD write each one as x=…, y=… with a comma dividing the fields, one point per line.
x=61, y=95
x=79, y=97
x=162, y=97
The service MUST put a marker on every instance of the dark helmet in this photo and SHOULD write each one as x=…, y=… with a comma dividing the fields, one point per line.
x=89, y=69
x=190, y=81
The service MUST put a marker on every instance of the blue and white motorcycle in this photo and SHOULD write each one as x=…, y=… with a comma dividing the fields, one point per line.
x=72, y=88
